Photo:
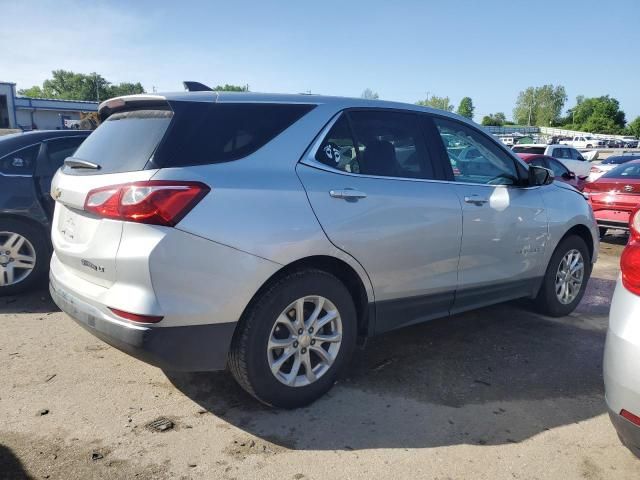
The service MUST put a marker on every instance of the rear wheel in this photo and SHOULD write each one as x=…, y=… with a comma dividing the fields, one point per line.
x=294, y=339
x=24, y=256
x=566, y=278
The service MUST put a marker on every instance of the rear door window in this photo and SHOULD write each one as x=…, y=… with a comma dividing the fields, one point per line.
x=21, y=162
x=378, y=143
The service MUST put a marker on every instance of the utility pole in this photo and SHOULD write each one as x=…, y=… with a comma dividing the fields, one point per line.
x=95, y=79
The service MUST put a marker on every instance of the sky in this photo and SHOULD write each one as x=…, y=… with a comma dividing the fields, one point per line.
x=404, y=50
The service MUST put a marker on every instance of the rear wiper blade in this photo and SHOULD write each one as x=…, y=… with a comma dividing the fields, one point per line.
x=75, y=163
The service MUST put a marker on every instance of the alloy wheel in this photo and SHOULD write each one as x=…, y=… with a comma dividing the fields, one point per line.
x=17, y=258
x=304, y=341
x=569, y=276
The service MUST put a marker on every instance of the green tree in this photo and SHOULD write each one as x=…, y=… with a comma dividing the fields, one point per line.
x=597, y=115
x=369, y=94
x=466, y=107
x=441, y=103
x=540, y=105
x=634, y=128
x=231, y=88
x=495, y=120
x=68, y=85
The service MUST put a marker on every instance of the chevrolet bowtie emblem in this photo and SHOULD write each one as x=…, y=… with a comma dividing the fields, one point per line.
x=57, y=193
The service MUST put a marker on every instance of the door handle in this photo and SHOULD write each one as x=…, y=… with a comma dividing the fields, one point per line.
x=347, y=194
x=476, y=200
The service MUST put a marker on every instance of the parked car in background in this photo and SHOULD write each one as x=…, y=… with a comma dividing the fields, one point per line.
x=615, y=143
x=622, y=347
x=584, y=141
x=28, y=162
x=568, y=156
x=214, y=229
x=630, y=142
x=560, y=172
x=610, y=163
x=615, y=195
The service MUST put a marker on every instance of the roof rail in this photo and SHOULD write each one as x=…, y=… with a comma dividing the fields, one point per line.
x=196, y=87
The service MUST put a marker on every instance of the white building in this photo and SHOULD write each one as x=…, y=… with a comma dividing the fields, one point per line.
x=38, y=113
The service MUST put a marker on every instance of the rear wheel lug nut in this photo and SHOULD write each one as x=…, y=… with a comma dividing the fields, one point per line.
x=304, y=350
x=295, y=344
x=313, y=342
x=300, y=331
x=311, y=330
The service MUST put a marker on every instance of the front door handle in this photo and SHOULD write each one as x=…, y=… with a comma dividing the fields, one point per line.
x=347, y=194
x=476, y=200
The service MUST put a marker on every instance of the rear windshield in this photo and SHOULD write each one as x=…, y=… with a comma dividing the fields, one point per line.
x=205, y=133
x=619, y=159
x=194, y=133
x=625, y=171
x=124, y=142
x=525, y=149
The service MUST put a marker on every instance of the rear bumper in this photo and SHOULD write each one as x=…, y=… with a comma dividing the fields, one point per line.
x=629, y=434
x=185, y=348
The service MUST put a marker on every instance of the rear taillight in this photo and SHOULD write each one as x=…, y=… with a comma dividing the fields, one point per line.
x=630, y=259
x=155, y=202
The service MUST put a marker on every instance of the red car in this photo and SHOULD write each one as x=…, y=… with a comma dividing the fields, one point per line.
x=560, y=172
x=615, y=195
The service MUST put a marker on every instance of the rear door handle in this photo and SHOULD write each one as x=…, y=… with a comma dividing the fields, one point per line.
x=476, y=200
x=347, y=194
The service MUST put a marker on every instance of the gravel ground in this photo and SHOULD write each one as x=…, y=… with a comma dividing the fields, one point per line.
x=498, y=393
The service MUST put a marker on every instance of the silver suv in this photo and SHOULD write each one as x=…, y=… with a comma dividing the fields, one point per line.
x=268, y=233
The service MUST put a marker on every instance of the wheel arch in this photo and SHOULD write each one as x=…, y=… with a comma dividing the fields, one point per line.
x=341, y=270
x=29, y=221
x=583, y=232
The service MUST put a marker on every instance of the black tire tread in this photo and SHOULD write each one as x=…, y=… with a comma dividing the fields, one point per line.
x=237, y=357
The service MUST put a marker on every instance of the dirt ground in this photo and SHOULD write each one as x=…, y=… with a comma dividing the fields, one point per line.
x=498, y=393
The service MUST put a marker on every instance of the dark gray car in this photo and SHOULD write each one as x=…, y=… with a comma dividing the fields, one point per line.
x=28, y=162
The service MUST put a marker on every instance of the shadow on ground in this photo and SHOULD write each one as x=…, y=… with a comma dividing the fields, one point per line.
x=497, y=375
x=10, y=467
x=35, y=301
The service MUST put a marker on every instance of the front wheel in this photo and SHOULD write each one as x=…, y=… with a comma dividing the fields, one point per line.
x=565, y=280
x=294, y=339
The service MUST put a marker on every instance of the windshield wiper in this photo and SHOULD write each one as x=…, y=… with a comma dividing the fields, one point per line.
x=75, y=163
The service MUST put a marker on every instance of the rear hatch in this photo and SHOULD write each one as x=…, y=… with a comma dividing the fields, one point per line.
x=118, y=152
x=614, y=194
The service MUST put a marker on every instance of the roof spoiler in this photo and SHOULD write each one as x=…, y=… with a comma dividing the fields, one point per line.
x=196, y=87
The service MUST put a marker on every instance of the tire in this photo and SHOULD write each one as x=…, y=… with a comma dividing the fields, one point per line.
x=34, y=242
x=547, y=301
x=249, y=356
x=603, y=231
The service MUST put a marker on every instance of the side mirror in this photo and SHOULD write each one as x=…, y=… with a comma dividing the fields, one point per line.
x=539, y=176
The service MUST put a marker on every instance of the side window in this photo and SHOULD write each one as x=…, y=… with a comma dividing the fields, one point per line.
x=538, y=162
x=337, y=149
x=576, y=155
x=390, y=144
x=22, y=162
x=59, y=149
x=474, y=158
x=557, y=168
x=562, y=153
